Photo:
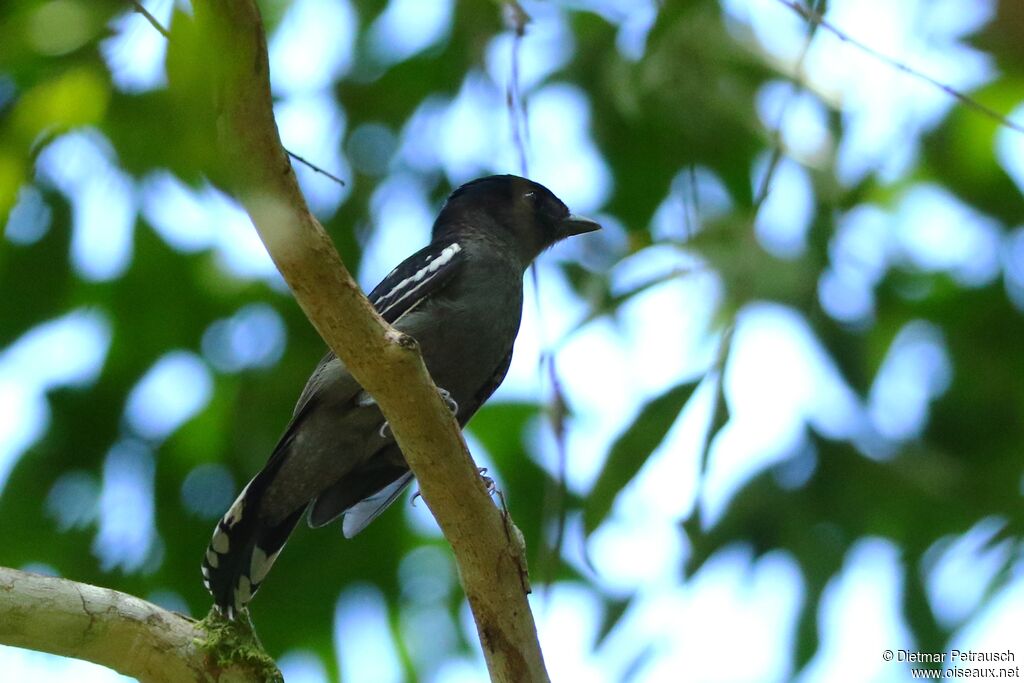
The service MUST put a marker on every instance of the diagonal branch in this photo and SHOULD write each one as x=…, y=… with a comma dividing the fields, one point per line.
x=120, y=631
x=385, y=362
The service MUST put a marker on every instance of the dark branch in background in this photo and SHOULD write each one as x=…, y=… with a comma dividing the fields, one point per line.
x=720, y=408
x=691, y=213
x=316, y=168
x=616, y=301
x=555, y=493
x=817, y=19
x=516, y=19
x=555, y=488
x=694, y=526
x=151, y=19
x=769, y=173
x=155, y=23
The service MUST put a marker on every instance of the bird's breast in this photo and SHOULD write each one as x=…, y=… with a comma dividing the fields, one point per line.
x=466, y=331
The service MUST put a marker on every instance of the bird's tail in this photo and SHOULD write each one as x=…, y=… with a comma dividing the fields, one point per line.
x=243, y=549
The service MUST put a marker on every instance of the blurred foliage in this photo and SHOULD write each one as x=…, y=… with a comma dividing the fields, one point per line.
x=690, y=101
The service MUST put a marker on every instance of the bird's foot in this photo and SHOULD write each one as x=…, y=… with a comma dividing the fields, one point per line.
x=448, y=400
x=385, y=429
x=488, y=482
x=482, y=471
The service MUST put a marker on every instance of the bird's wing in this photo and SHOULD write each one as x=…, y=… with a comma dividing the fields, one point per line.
x=244, y=545
x=417, y=278
x=365, y=481
x=359, y=516
x=363, y=494
x=484, y=392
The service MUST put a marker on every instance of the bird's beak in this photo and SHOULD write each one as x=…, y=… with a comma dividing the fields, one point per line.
x=577, y=225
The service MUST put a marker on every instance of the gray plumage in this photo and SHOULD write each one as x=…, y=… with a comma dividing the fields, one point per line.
x=461, y=298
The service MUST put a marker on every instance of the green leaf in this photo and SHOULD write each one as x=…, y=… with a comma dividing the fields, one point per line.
x=631, y=450
x=614, y=611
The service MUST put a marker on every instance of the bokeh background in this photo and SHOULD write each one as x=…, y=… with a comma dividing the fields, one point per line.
x=765, y=425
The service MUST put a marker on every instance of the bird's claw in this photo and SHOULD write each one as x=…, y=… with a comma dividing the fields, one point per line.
x=385, y=428
x=488, y=482
x=448, y=400
x=482, y=471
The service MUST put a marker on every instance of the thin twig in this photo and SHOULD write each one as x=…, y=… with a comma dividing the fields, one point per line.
x=613, y=303
x=516, y=19
x=720, y=408
x=316, y=168
x=769, y=173
x=155, y=23
x=691, y=213
x=556, y=490
x=151, y=19
x=816, y=18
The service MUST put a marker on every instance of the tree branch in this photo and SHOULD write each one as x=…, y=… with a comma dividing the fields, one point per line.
x=487, y=547
x=120, y=631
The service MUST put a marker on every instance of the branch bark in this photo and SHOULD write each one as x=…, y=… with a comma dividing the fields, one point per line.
x=120, y=631
x=488, y=548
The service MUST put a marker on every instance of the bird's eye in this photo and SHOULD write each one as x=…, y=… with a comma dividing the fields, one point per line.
x=530, y=195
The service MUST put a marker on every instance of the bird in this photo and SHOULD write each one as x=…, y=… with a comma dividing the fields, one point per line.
x=461, y=299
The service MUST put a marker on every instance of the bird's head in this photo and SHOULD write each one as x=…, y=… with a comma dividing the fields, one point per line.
x=521, y=215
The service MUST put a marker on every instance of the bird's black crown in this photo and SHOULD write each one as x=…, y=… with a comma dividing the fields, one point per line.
x=520, y=211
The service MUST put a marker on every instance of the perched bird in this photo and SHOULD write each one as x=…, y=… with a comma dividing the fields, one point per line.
x=461, y=298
